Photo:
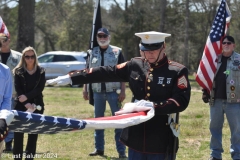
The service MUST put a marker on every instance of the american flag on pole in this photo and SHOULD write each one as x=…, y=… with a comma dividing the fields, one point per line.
x=213, y=48
x=3, y=27
x=27, y=122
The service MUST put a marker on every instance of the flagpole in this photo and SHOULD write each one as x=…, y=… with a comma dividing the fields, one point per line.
x=94, y=21
x=97, y=23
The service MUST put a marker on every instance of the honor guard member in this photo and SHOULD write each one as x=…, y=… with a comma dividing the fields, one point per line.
x=152, y=77
x=225, y=99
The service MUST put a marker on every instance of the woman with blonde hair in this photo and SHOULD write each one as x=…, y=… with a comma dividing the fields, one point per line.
x=29, y=81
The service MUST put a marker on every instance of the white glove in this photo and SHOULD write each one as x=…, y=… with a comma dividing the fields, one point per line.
x=7, y=115
x=60, y=81
x=139, y=106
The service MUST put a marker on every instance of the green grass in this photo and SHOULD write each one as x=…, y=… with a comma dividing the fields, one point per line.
x=68, y=102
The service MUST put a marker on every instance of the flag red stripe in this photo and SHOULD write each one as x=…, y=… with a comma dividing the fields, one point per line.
x=123, y=116
x=2, y=28
x=217, y=48
x=201, y=83
x=205, y=73
x=209, y=58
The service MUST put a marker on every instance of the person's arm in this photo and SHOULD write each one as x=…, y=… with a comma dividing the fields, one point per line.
x=118, y=73
x=85, y=92
x=122, y=94
x=6, y=104
x=121, y=58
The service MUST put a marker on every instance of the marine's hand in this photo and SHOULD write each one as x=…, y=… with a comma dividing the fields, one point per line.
x=60, y=81
x=3, y=129
x=205, y=96
x=141, y=105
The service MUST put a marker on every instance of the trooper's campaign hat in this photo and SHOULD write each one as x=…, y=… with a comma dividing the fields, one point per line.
x=151, y=40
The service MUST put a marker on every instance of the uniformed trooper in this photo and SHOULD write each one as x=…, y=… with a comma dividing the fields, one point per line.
x=224, y=98
x=152, y=77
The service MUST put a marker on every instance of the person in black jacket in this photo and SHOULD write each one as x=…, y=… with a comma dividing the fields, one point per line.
x=29, y=83
x=152, y=77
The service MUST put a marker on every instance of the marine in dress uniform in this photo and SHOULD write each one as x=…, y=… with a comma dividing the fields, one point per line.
x=152, y=77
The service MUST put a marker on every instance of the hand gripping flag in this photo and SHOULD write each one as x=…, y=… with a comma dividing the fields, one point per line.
x=27, y=122
x=213, y=47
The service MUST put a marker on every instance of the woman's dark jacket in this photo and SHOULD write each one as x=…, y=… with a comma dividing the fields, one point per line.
x=33, y=94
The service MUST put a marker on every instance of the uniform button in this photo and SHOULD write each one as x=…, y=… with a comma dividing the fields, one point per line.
x=156, y=64
x=150, y=75
x=77, y=72
x=151, y=69
x=161, y=103
x=148, y=88
x=149, y=80
x=163, y=85
x=148, y=94
x=136, y=78
x=155, y=104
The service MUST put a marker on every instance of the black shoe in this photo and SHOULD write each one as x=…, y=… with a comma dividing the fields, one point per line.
x=212, y=158
x=122, y=156
x=8, y=147
x=96, y=153
x=8, y=150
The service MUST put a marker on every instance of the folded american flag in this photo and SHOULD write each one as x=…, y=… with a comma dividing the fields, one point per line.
x=27, y=122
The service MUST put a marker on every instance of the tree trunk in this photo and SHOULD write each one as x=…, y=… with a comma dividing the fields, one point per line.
x=186, y=37
x=126, y=55
x=25, y=24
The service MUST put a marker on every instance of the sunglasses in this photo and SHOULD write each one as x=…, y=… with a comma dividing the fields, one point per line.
x=228, y=43
x=4, y=38
x=102, y=36
x=28, y=57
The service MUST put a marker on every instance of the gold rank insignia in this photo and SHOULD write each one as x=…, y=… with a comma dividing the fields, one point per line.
x=146, y=36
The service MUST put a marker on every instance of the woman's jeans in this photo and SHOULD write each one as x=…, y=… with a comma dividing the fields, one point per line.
x=232, y=111
x=100, y=99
